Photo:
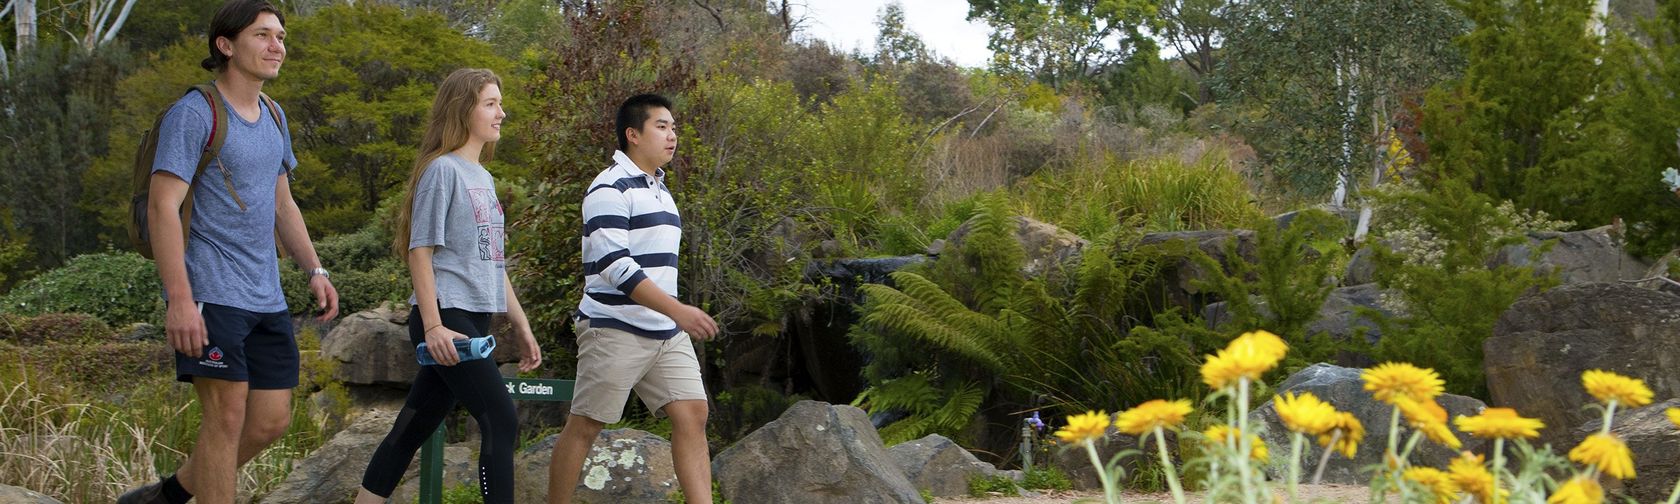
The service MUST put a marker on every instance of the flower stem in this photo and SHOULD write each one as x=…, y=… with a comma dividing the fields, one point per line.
x=1109, y=495
x=1674, y=497
x=1498, y=464
x=1244, y=447
x=1324, y=459
x=1609, y=413
x=1295, y=464
x=1166, y=464
x=1390, y=455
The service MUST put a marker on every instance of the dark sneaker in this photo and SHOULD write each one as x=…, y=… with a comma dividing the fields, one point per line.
x=149, y=494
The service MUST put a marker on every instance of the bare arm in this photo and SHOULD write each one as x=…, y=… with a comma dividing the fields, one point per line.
x=530, y=355
x=689, y=319
x=439, y=339
x=183, y=323
x=294, y=236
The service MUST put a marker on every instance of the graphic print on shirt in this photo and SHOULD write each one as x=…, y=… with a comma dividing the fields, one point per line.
x=487, y=212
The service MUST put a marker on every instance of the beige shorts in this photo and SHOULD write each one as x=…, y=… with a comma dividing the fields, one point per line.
x=612, y=362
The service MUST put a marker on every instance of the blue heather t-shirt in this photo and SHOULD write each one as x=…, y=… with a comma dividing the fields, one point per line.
x=231, y=257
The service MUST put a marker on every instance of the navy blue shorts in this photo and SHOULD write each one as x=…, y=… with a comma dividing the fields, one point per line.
x=245, y=346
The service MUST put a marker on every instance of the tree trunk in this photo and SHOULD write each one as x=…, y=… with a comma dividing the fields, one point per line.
x=25, y=18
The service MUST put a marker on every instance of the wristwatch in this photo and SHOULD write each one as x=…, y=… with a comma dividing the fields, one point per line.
x=319, y=271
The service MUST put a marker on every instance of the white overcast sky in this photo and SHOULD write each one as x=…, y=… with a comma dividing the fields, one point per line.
x=850, y=24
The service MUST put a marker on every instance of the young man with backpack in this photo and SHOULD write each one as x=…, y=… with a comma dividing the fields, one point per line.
x=214, y=199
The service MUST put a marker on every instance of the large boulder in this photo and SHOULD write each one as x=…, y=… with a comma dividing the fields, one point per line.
x=333, y=473
x=1656, y=450
x=936, y=464
x=372, y=348
x=17, y=495
x=623, y=466
x=1338, y=317
x=1342, y=387
x=1181, y=277
x=1658, y=278
x=1542, y=344
x=1586, y=256
x=814, y=453
x=1047, y=247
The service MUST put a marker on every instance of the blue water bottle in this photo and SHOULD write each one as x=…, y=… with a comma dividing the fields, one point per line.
x=468, y=349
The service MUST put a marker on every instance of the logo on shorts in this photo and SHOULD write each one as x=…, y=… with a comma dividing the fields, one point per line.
x=214, y=359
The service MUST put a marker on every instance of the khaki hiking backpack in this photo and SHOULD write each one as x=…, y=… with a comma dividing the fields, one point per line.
x=138, y=234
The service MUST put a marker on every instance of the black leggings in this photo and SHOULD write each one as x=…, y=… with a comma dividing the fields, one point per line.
x=476, y=384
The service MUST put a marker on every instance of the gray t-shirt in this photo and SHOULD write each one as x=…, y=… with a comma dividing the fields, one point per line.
x=230, y=256
x=456, y=211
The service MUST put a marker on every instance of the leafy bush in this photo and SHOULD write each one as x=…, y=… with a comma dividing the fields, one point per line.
x=1433, y=250
x=1046, y=478
x=982, y=486
x=54, y=328
x=975, y=335
x=1286, y=284
x=118, y=287
x=1167, y=194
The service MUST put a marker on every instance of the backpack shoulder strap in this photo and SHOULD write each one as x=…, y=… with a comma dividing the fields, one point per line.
x=274, y=112
x=218, y=127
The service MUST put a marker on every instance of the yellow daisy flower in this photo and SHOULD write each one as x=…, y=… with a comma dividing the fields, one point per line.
x=1391, y=380
x=1305, y=413
x=1499, y=423
x=1429, y=418
x=1472, y=476
x=1578, y=491
x=1352, y=433
x=1086, y=427
x=1249, y=356
x=1607, y=453
x=1440, y=485
x=1608, y=386
x=1219, y=434
x=1674, y=416
x=1157, y=413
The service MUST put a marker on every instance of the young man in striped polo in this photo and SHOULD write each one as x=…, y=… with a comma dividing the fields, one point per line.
x=632, y=332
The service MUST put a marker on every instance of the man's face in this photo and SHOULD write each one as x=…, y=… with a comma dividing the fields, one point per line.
x=259, y=49
x=657, y=139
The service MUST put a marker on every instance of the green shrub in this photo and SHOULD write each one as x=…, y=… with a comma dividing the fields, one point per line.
x=68, y=328
x=1046, y=478
x=118, y=287
x=1167, y=194
x=1433, y=251
x=983, y=486
x=462, y=494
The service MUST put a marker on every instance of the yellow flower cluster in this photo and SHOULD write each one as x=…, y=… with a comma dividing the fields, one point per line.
x=1607, y=453
x=1430, y=418
x=1439, y=484
x=1472, y=477
x=1499, y=423
x=1086, y=427
x=1305, y=413
x=1391, y=381
x=1154, y=414
x=1608, y=386
x=1674, y=416
x=1220, y=434
x=1578, y=491
x=1351, y=433
x=1249, y=356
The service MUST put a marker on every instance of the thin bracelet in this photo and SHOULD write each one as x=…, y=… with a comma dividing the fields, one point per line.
x=429, y=329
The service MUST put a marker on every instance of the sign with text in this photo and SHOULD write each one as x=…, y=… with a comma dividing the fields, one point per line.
x=536, y=389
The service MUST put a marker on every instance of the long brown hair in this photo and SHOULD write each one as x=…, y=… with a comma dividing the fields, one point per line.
x=447, y=129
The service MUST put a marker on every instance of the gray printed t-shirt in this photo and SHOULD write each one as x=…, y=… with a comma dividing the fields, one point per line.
x=456, y=211
x=230, y=256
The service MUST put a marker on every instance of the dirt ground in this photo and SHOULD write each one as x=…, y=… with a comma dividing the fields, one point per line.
x=1308, y=493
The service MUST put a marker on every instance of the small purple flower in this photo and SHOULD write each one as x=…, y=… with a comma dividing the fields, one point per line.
x=1036, y=422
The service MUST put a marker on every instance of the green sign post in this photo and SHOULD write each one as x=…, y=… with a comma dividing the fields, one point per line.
x=431, y=454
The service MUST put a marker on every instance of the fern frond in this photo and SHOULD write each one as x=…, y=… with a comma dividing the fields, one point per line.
x=910, y=321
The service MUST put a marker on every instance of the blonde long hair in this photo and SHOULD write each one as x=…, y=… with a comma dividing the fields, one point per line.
x=447, y=129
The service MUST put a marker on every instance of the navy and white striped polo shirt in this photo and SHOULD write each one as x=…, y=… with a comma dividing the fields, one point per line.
x=631, y=232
